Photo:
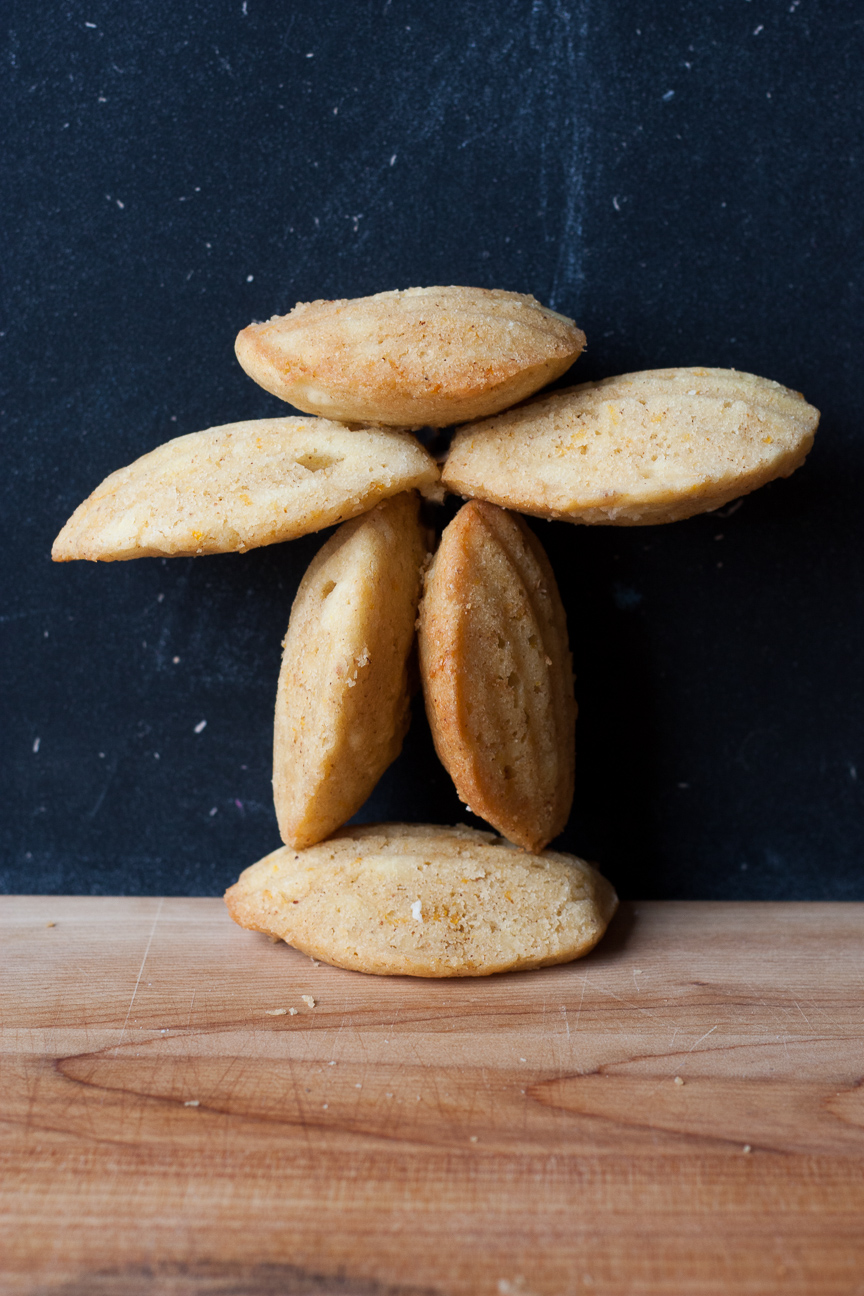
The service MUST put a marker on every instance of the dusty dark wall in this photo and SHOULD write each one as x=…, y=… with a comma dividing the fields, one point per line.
x=683, y=178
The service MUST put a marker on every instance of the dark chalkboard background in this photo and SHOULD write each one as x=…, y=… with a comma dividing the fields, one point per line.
x=682, y=178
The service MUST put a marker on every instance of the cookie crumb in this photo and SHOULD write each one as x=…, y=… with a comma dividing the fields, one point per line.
x=473, y=1138
x=747, y=1148
x=308, y=1000
x=276, y=1012
x=678, y=1080
x=292, y=1012
x=51, y=924
x=192, y=1102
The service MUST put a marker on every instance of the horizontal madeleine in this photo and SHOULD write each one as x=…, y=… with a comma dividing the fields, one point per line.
x=497, y=674
x=422, y=356
x=342, y=702
x=242, y=485
x=639, y=449
x=423, y=900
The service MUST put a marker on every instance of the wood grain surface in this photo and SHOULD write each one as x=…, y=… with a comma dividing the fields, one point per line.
x=168, y=1128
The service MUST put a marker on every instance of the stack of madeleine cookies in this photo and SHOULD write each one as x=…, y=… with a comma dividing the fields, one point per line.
x=481, y=607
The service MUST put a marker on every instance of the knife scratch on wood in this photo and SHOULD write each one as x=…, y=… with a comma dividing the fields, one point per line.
x=140, y=972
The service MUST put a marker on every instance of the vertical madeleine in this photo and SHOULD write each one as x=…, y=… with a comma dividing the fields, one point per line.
x=497, y=674
x=342, y=703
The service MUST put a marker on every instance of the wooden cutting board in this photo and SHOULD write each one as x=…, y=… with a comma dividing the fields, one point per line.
x=680, y=1112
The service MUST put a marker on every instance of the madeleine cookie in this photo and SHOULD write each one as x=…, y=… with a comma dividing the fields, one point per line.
x=418, y=900
x=497, y=674
x=631, y=451
x=242, y=485
x=342, y=704
x=423, y=356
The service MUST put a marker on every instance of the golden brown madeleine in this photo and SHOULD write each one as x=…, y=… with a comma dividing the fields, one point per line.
x=240, y=486
x=497, y=674
x=342, y=704
x=423, y=356
x=422, y=900
x=643, y=448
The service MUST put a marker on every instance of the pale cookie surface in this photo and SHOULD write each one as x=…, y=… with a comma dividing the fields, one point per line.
x=342, y=703
x=242, y=485
x=421, y=356
x=497, y=674
x=639, y=449
x=419, y=900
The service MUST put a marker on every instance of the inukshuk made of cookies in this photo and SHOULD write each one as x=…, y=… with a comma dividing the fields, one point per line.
x=635, y=450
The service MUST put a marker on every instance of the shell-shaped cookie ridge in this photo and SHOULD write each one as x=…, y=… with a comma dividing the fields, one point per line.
x=497, y=675
x=411, y=357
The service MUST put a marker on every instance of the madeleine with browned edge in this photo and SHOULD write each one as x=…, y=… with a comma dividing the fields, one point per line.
x=421, y=356
x=242, y=485
x=342, y=702
x=497, y=674
x=427, y=901
x=642, y=448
